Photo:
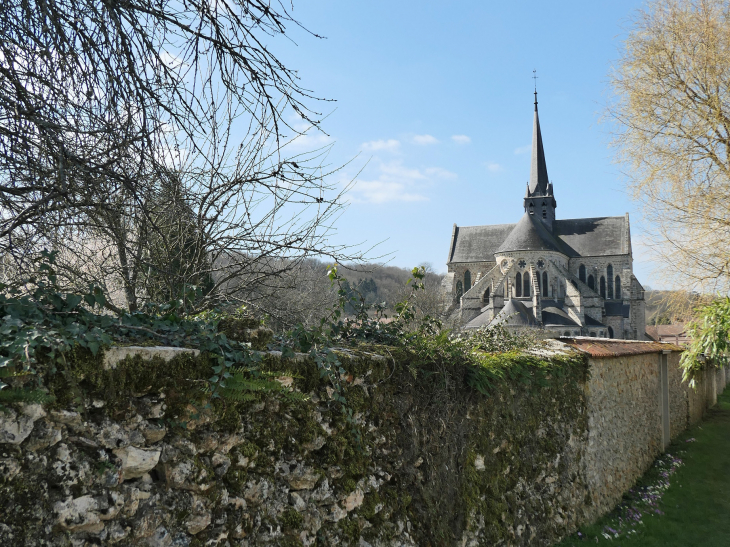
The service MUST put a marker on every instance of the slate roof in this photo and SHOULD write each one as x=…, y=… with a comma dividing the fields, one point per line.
x=530, y=234
x=601, y=236
x=513, y=313
x=617, y=308
x=538, y=167
x=478, y=243
x=555, y=316
x=590, y=322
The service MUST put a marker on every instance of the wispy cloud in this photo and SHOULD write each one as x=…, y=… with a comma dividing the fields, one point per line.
x=494, y=167
x=309, y=141
x=523, y=150
x=460, y=139
x=397, y=182
x=390, y=145
x=425, y=140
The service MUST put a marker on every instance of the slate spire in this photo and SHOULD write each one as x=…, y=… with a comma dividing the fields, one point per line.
x=538, y=168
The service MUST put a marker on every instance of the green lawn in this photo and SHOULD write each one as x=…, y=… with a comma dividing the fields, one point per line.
x=676, y=504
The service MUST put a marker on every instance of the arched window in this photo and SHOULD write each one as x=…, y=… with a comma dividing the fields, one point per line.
x=467, y=280
x=602, y=290
x=518, y=284
x=539, y=285
x=544, y=210
x=618, y=288
x=593, y=334
x=459, y=289
x=609, y=276
x=526, y=284
x=566, y=333
x=610, y=332
x=532, y=209
x=485, y=298
x=591, y=282
x=544, y=284
x=582, y=273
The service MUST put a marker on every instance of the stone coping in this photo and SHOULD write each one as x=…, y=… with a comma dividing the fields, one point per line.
x=606, y=347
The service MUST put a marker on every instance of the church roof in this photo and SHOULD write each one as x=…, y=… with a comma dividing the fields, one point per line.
x=530, y=234
x=552, y=316
x=538, y=168
x=478, y=243
x=602, y=236
x=515, y=313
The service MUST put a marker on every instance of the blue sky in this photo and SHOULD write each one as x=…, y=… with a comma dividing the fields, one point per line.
x=434, y=103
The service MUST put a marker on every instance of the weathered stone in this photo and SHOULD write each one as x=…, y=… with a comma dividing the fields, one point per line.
x=153, y=433
x=9, y=468
x=197, y=523
x=354, y=500
x=303, y=478
x=297, y=502
x=256, y=492
x=14, y=427
x=79, y=514
x=136, y=461
x=67, y=417
x=160, y=538
x=42, y=436
x=221, y=464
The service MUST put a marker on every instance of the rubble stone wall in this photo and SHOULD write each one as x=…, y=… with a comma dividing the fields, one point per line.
x=133, y=455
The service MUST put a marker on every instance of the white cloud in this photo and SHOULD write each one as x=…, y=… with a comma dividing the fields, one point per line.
x=396, y=182
x=309, y=141
x=494, y=167
x=523, y=150
x=439, y=173
x=425, y=139
x=382, y=191
x=391, y=145
x=460, y=139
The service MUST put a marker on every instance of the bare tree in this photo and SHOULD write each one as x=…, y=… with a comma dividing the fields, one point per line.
x=672, y=113
x=102, y=104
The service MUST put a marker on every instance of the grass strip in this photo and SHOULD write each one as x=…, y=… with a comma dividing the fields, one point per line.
x=683, y=500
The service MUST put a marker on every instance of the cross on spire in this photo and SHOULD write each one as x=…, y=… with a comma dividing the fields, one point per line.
x=534, y=77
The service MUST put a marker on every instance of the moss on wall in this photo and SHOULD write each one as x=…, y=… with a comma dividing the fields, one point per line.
x=431, y=460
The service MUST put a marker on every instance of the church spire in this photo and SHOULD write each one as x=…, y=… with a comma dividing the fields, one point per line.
x=539, y=199
x=538, y=167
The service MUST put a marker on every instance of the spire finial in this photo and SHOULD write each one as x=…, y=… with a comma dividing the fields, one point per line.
x=534, y=77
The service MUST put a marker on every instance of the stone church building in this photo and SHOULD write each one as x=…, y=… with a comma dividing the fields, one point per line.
x=570, y=277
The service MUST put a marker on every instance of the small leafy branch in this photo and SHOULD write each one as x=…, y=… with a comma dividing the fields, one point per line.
x=710, y=335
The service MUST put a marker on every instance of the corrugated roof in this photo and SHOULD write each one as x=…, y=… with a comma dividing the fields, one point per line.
x=600, y=347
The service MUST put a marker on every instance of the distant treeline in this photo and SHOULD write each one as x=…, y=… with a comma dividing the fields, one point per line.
x=305, y=294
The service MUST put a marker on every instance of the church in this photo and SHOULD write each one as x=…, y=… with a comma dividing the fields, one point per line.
x=571, y=277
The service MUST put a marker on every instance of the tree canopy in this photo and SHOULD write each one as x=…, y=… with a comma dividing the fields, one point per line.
x=671, y=111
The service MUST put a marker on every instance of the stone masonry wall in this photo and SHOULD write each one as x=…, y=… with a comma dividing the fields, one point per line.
x=137, y=459
x=624, y=434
